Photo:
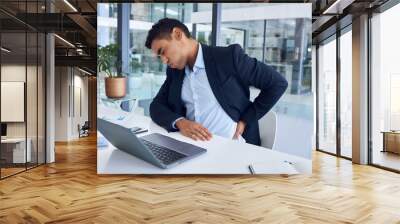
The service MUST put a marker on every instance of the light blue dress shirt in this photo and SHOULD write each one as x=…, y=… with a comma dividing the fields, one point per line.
x=201, y=104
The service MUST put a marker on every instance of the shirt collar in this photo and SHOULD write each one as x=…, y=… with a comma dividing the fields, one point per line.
x=199, y=63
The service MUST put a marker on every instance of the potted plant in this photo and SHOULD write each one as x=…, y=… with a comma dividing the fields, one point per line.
x=107, y=62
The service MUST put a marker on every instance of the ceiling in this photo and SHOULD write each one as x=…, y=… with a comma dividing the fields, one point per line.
x=330, y=15
x=76, y=20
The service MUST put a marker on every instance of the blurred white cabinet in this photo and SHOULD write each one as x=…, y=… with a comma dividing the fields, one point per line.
x=17, y=146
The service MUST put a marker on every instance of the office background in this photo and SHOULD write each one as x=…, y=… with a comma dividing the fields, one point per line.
x=22, y=77
x=339, y=190
x=273, y=36
x=46, y=81
x=334, y=66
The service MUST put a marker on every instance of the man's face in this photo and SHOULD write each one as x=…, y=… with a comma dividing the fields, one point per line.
x=171, y=50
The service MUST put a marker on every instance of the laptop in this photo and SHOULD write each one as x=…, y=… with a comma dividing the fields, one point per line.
x=156, y=149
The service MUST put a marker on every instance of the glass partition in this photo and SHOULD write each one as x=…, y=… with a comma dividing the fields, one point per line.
x=22, y=89
x=31, y=98
x=14, y=153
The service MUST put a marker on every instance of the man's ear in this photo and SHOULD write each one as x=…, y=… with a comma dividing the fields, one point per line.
x=177, y=33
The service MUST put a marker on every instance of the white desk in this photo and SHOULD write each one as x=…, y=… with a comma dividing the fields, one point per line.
x=223, y=156
x=19, y=149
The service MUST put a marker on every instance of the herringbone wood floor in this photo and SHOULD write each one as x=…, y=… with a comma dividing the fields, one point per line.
x=70, y=191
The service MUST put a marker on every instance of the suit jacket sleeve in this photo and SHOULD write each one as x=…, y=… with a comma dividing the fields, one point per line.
x=160, y=111
x=254, y=73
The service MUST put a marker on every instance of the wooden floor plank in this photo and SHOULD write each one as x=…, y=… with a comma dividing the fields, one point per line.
x=70, y=191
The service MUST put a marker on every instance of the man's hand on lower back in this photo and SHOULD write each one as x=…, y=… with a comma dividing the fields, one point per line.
x=239, y=129
x=193, y=130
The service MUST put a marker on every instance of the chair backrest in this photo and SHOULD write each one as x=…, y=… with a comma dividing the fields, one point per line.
x=268, y=129
x=86, y=125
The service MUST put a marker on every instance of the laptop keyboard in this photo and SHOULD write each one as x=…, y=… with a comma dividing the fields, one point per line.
x=167, y=156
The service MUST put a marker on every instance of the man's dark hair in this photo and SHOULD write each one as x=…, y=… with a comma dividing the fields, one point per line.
x=163, y=29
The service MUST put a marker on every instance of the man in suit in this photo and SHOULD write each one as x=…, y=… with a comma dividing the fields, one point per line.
x=206, y=91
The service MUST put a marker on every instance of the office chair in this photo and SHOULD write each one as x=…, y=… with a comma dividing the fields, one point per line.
x=268, y=130
x=84, y=130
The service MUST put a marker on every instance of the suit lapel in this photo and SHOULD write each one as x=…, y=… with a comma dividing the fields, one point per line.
x=211, y=70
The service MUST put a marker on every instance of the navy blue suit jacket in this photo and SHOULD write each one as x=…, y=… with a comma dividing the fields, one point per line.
x=230, y=73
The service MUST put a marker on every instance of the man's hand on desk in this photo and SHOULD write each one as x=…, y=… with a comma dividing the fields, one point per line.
x=193, y=130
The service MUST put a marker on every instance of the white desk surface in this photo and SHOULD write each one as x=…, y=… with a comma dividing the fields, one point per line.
x=223, y=156
x=13, y=140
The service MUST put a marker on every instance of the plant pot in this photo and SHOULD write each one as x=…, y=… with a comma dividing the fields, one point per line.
x=115, y=87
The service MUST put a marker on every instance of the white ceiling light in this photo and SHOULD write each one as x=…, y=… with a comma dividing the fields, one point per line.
x=337, y=7
x=70, y=5
x=86, y=72
x=65, y=41
x=5, y=50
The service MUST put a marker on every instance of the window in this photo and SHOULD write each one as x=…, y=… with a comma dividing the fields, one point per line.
x=385, y=89
x=106, y=34
x=346, y=93
x=146, y=73
x=327, y=96
x=285, y=45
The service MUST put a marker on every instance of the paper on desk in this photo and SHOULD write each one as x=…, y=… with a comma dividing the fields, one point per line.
x=274, y=167
x=113, y=118
x=132, y=120
x=111, y=114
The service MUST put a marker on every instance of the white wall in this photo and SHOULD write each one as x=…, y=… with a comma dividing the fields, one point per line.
x=61, y=105
x=70, y=84
x=15, y=72
x=33, y=126
x=80, y=100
